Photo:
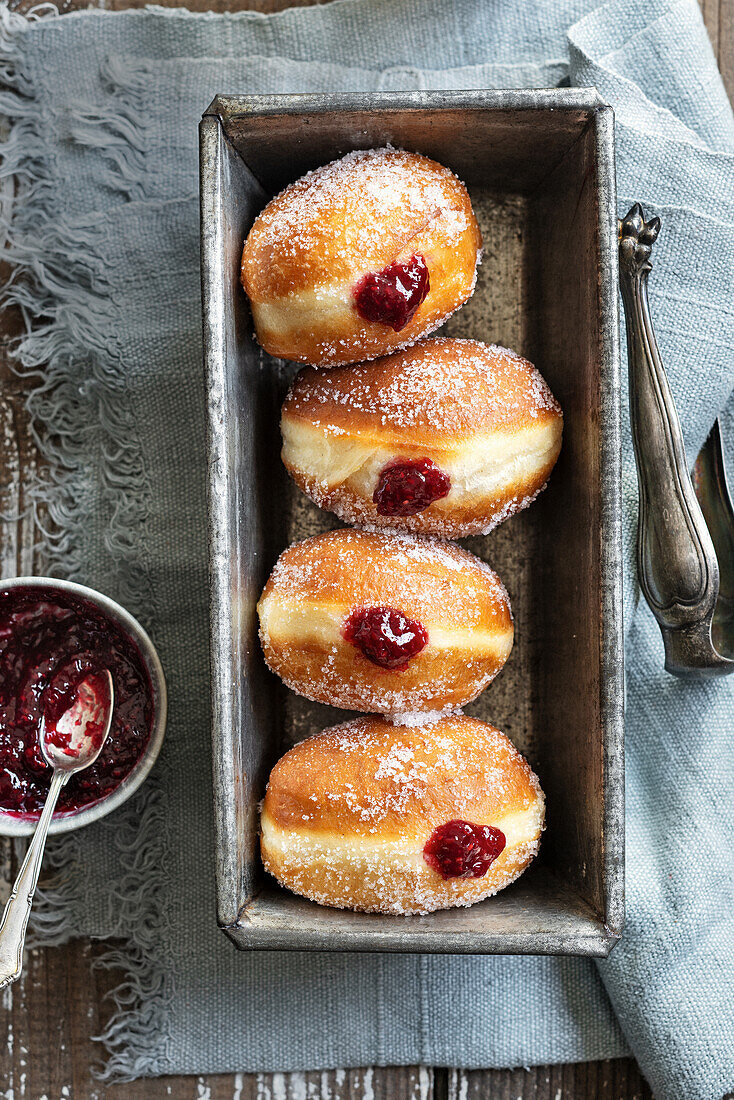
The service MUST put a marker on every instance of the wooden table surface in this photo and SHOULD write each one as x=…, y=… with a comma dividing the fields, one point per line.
x=60, y=1003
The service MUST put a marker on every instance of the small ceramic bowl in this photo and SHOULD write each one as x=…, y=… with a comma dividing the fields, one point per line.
x=10, y=824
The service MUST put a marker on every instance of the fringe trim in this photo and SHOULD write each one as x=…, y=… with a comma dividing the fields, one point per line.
x=80, y=416
x=119, y=134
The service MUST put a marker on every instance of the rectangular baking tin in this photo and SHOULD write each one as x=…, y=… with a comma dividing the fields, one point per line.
x=540, y=169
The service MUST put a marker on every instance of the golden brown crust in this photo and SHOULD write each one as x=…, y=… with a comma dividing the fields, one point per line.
x=313, y=242
x=316, y=585
x=347, y=813
x=480, y=413
x=366, y=568
x=362, y=886
x=368, y=776
x=433, y=395
x=436, y=681
x=477, y=515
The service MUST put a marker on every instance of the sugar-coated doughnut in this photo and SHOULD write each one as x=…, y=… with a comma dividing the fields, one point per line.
x=384, y=623
x=398, y=819
x=449, y=437
x=360, y=257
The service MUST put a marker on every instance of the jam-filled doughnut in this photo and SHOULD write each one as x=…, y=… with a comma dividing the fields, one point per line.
x=398, y=819
x=384, y=623
x=449, y=437
x=360, y=257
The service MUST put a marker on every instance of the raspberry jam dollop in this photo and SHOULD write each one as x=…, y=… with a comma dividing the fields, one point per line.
x=385, y=636
x=460, y=849
x=51, y=643
x=392, y=296
x=408, y=487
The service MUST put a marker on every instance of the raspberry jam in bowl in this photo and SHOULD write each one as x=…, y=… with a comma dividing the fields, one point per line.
x=53, y=636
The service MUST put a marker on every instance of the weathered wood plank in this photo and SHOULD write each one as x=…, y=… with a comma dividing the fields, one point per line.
x=710, y=12
x=618, y=1079
x=724, y=47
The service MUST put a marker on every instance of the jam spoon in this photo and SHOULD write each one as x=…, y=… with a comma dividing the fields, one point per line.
x=69, y=742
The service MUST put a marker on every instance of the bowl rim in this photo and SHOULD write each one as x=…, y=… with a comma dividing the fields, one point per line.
x=75, y=819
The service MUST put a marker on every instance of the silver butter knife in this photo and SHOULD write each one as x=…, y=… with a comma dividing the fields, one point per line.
x=685, y=533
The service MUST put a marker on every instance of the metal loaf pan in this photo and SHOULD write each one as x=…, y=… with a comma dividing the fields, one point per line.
x=540, y=169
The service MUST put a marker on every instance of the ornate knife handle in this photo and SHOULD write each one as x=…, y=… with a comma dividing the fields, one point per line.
x=676, y=560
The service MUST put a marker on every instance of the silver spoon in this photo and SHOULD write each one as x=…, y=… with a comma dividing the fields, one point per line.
x=70, y=745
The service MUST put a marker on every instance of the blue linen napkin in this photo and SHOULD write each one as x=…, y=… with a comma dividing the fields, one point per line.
x=103, y=227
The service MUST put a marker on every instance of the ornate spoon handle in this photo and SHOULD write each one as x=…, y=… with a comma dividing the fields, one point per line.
x=18, y=909
x=676, y=561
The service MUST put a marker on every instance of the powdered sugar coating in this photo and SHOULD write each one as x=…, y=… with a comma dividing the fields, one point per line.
x=481, y=414
x=360, y=566
x=383, y=198
x=413, y=719
x=335, y=683
x=412, y=897
x=360, y=512
x=457, y=766
x=446, y=388
x=347, y=812
x=314, y=242
x=317, y=584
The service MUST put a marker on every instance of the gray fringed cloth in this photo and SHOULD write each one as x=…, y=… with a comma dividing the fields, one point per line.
x=99, y=207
